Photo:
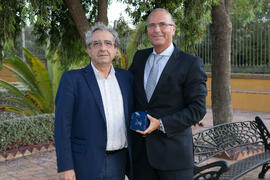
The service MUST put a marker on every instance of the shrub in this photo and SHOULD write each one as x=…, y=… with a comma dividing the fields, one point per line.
x=26, y=131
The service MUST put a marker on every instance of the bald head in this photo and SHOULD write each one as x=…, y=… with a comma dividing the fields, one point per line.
x=162, y=10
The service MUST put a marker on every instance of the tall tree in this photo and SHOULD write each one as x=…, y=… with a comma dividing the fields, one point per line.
x=221, y=29
x=78, y=15
x=77, y=12
x=102, y=11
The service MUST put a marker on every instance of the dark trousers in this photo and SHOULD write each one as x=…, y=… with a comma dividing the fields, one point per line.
x=144, y=171
x=114, y=167
x=155, y=174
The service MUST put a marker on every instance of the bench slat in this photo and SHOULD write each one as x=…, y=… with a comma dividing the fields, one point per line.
x=245, y=165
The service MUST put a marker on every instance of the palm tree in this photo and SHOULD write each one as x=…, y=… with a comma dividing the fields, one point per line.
x=125, y=59
x=40, y=93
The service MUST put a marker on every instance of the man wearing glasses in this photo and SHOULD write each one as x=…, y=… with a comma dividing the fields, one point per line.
x=93, y=106
x=170, y=86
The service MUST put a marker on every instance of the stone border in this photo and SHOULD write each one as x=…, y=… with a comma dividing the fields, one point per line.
x=26, y=151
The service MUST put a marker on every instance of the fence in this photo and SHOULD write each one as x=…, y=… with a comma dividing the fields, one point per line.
x=250, y=47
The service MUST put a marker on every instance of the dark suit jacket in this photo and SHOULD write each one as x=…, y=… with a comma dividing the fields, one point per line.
x=179, y=100
x=80, y=124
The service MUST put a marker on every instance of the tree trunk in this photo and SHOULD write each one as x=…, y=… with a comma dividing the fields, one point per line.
x=78, y=15
x=102, y=11
x=221, y=30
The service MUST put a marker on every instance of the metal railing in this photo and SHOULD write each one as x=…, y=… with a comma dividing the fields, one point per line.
x=250, y=47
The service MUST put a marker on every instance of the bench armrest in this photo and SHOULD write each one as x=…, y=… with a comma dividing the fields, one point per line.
x=210, y=171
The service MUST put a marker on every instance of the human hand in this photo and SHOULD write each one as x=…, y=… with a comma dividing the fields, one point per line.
x=67, y=175
x=153, y=125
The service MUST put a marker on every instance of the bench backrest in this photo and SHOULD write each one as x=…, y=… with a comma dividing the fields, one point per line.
x=218, y=139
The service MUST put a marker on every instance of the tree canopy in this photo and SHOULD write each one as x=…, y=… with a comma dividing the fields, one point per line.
x=54, y=24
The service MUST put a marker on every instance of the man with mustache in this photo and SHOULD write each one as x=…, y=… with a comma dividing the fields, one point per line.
x=93, y=106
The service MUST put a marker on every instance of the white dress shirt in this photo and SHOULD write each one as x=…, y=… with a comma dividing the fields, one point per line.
x=166, y=54
x=114, y=110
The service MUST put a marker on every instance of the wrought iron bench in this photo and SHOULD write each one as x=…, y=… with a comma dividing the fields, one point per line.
x=233, y=137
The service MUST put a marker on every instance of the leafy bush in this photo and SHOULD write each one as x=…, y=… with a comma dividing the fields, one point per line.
x=26, y=131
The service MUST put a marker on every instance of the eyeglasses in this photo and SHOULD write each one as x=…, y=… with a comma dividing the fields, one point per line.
x=161, y=25
x=98, y=44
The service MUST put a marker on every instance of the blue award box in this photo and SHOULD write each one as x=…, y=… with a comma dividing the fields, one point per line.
x=139, y=121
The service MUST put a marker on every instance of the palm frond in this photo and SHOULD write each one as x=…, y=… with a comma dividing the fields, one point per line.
x=11, y=88
x=16, y=92
x=39, y=102
x=15, y=109
x=19, y=103
x=123, y=59
x=55, y=72
x=133, y=42
x=39, y=96
x=20, y=69
x=42, y=78
x=21, y=78
x=28, y=55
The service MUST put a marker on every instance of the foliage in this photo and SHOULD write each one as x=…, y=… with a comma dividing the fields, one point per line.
x=11, y=17
x=30, y=43
x=248, y=10
x=39, y=98
x=52, y=24
x=191, y=17
x=249, y=37
x=250, y=43
x=132, y=41
x=26, y=131
x=123, y=31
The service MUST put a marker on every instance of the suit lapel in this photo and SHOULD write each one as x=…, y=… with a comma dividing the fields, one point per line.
x=93, y=86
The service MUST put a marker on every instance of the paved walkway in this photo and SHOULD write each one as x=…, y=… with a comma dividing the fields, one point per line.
x=43, y=166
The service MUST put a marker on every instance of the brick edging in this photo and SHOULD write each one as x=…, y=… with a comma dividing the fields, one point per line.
x=23, y=152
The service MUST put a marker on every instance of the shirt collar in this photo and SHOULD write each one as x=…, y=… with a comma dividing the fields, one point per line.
x=112, y=72
x=166, y=52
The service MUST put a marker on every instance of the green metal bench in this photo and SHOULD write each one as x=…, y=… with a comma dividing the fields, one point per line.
x=235, y=136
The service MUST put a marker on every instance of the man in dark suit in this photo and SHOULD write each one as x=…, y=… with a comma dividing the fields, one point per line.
x=93, y=106
x=174, y=98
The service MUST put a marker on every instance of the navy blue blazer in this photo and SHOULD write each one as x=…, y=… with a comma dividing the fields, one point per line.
x=179, y=100
x=80, y=124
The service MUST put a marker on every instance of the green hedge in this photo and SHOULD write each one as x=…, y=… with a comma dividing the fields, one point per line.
x=26, y=131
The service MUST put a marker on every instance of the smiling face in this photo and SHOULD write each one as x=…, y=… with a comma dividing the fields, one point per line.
x=160, y=30
x=102, y=50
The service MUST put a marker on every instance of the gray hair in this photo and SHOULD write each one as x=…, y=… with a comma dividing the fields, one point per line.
x=164, y=10
x=100, y=26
